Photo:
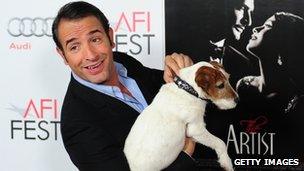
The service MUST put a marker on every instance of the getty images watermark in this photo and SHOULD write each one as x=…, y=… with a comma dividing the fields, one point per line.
x=266, y=162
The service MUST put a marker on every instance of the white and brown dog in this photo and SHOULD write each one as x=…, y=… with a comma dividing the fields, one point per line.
x=158, y=135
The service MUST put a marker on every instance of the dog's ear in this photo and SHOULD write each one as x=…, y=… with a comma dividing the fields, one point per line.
x=203, y=77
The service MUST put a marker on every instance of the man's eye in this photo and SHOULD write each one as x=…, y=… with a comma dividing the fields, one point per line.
x=220, y=86
x=96, y=40
x=73, y=48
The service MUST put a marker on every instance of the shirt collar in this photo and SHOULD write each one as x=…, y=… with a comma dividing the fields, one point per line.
x=121, y=70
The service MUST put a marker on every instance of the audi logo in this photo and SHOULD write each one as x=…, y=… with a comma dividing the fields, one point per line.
x=30, y=27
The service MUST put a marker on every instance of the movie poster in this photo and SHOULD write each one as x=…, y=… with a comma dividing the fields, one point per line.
x=260, y=44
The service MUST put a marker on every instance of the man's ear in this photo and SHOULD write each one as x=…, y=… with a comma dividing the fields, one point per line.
x=61, y=53
x=111, y=37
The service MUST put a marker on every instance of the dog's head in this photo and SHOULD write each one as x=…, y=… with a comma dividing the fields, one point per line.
x=211, y=81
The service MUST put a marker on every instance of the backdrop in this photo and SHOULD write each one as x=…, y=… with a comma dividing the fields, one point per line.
x=34, y=77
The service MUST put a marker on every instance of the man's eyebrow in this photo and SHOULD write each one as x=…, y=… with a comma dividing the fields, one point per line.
x=90, y=33
x=69, y=41
x=95, y=31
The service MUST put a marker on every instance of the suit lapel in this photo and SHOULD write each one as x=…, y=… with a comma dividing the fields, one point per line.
x=100, y=100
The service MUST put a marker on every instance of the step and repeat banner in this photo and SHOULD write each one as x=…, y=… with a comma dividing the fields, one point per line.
x=259, y=42
x=34, y=77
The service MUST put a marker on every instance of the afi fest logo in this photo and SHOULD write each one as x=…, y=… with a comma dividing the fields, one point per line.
x=40, y=120
x=133, y=32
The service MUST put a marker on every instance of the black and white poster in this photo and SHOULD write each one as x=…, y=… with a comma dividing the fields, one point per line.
x=260, y=43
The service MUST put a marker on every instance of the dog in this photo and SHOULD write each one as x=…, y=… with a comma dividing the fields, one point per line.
x=177, y=111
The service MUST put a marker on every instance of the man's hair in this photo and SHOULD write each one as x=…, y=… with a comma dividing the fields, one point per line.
x=74, y=11
x=234, y=4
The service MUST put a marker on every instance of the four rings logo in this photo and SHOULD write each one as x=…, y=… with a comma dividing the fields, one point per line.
x=30, y=27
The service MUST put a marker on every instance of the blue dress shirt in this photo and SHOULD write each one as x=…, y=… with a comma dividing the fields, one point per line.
x=137, y=102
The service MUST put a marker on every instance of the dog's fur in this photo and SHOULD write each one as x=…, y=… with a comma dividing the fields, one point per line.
x=158, y=135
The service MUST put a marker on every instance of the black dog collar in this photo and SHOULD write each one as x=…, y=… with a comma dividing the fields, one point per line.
x=187, y=87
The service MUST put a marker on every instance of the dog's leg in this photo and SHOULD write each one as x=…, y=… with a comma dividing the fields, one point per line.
x=200, y=134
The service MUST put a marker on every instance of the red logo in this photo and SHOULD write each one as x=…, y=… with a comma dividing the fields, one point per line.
x=255, y=125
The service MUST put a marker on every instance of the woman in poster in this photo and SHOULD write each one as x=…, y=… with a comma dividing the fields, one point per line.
x=278, y=45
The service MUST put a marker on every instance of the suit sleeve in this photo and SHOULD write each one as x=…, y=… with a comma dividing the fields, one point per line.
x=137, y=70
x=183, y=163
x=92, y=149
x=156, y=78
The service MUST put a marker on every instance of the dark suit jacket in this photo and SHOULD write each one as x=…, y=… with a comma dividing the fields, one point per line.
x=94, y=126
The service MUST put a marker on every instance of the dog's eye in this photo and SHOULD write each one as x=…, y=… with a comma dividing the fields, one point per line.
x=220, y=86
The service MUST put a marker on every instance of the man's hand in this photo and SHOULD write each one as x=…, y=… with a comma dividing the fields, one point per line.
x=189, y=146
x=173, y=63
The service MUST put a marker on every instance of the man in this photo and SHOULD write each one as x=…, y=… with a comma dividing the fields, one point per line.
x=211, y=30
x=227, y=48
x=104, y=97
x=241, y=16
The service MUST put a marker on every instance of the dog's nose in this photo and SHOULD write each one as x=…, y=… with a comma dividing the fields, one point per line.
x=236, y=100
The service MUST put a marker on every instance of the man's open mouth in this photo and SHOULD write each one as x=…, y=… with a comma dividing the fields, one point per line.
x=94, y=68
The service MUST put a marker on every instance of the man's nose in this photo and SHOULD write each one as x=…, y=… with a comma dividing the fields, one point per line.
x=246, y=20
x=90, y=53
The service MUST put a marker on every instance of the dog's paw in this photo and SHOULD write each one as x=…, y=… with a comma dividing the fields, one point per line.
x=225, y=162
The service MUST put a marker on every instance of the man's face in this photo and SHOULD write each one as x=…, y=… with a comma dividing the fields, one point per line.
x=87, y=49
x=242, y=14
